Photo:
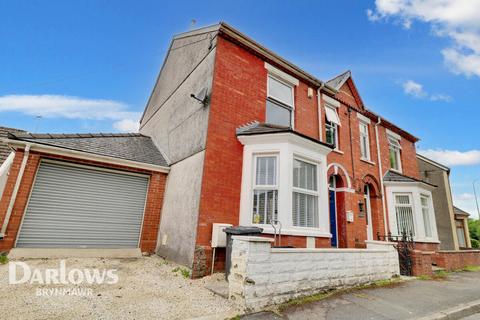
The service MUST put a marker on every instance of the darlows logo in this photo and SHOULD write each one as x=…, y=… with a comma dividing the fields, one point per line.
x=22, y=273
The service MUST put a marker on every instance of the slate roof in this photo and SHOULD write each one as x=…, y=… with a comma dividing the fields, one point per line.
x=127, y=146
x=398, y=177
x=460, y=212
x=256, y=128
x=4, y=148
x=339, y=80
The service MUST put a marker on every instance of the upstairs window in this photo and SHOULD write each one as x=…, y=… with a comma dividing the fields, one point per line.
x=265, y=190
x=364, y=142
x=332, y=123
x=280, y=102
x=404, y=213
x=305, y=194
x=394, y=153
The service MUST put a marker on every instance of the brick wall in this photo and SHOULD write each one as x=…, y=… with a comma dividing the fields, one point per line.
x=152, y=209
x=456, y=260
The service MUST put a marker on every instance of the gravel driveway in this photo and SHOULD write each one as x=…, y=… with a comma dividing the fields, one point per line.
x=148, y=288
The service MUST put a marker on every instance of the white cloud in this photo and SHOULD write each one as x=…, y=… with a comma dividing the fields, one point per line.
x=453, y=157
x=416, y=90
x=413, y=88
x=59, y=106
x=457, y=20
x=127, y=125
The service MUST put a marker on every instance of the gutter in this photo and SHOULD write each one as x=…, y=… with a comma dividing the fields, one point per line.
x=85, y=155
x=15, y=191
x=380, y=171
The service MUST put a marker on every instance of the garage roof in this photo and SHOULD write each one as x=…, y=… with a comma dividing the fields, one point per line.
x=128, y=146
x=4, y=149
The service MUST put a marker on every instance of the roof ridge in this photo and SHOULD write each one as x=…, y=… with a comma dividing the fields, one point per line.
x=27, y=135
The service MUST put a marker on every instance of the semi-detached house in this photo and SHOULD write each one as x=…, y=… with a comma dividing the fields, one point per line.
x=245, y=138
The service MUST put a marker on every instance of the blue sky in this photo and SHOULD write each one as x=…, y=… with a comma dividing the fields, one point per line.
x=89, y=66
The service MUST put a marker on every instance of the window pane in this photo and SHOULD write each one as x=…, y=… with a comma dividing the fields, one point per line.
x=363, y=147
x=393, y=158
x=280, y=91
x=265, y=206
x=330, y=134
x=304, y=175
x=426, y=216
x=266, y=171
x=276, y=114
x=461, y=238
x=305, y=210
x=404, y=214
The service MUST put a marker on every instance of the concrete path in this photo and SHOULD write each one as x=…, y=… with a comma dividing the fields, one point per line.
x=409, y=300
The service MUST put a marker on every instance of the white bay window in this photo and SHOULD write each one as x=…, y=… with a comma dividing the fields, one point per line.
x=284, y=179
x=410, y=210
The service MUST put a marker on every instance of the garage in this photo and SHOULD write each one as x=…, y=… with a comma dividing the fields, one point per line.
x=79, y=206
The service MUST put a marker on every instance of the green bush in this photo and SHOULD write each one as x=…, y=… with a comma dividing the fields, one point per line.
x=475, y=244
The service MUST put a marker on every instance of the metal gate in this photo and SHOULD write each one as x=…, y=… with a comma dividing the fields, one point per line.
x=404, y=245
x=77, y=206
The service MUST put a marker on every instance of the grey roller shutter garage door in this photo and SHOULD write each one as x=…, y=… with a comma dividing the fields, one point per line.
x=82, y=207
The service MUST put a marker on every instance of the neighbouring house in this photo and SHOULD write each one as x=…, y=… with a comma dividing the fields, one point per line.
x=452, y=223
x=6, y=156
x=461, y=228
x=246, y=138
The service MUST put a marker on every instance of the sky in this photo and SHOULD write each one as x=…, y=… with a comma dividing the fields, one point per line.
x=90, y=66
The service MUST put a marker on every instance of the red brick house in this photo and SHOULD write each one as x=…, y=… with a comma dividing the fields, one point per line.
x=246, y=138
x=273, y=142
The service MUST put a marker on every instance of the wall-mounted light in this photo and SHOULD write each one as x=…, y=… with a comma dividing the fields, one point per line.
x=201, y=96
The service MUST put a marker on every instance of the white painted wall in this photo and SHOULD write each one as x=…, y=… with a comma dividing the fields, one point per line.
x=262, y=276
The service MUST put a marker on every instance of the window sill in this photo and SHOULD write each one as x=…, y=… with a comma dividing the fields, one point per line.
x=397, y=171
x=367, y=161
x=338, y=151
x=295, y=231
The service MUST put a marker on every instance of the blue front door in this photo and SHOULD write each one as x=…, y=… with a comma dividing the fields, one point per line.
x=333, y=218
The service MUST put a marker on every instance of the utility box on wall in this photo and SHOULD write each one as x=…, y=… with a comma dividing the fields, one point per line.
x=219, y=237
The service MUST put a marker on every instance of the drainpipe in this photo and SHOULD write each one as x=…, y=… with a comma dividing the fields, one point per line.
x=15, y=191
x=320, y=127
x=380, y=171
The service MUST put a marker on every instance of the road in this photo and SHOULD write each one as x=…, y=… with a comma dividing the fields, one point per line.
x=408, y=300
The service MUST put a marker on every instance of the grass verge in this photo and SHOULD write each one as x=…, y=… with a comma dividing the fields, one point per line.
x=334, y=292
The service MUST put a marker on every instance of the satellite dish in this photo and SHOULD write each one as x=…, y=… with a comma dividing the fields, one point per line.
x=201, y=96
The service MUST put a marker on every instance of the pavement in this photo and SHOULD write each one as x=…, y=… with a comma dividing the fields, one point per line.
x=455, y=297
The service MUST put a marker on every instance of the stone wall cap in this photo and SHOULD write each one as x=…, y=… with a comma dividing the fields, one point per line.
x=252, y=239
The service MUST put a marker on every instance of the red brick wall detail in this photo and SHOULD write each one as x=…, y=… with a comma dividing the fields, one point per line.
x=456, y=260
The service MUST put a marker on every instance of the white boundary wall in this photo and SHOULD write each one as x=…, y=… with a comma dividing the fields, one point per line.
x=261, y=275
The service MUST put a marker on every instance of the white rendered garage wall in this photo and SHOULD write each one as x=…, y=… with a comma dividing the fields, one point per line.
x=262, y=276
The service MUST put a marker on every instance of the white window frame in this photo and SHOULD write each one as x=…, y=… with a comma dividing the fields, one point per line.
x=365, y=136
x=264, y=187
x=428, y=208
x=288, y=146
x=287, y=80
x=334, y=126
x=416, y=189
x=398, y=151
x=314, y=193
x=409, y=205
